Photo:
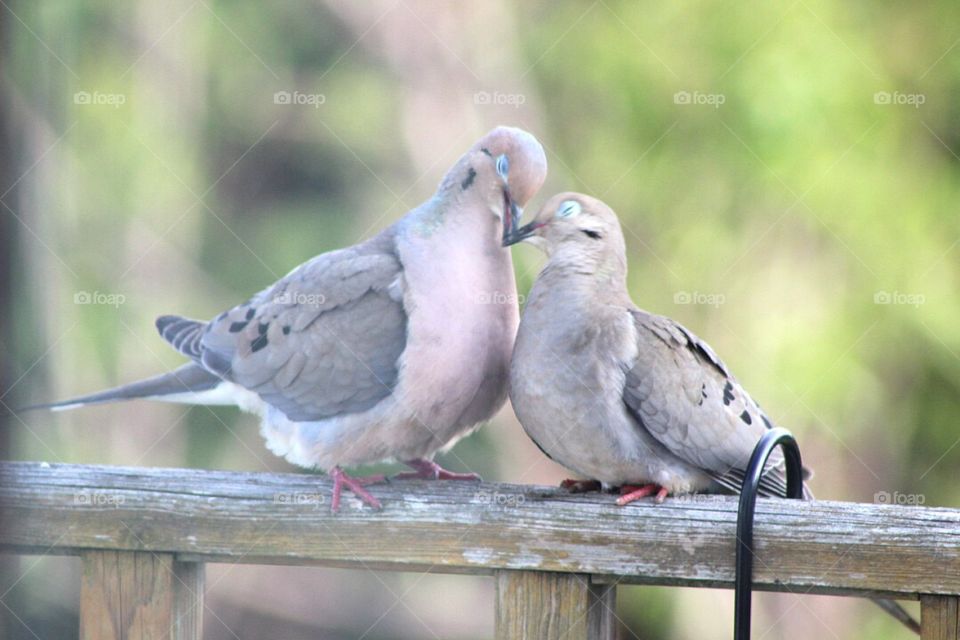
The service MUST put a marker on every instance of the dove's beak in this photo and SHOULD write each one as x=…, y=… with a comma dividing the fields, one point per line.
x=514, y=233
x=511, y=216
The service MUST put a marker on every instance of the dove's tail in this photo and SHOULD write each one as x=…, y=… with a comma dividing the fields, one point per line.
x=899, y=613
x=190, y=383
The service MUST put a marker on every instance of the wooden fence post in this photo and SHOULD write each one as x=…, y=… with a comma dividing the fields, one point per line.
x=940, y=617
x=550, y=606
x=136, y=595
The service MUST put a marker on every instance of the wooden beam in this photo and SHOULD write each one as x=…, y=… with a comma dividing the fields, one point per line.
x=553, y=606
x=939, y=617
x=458, y=527
x=188, y=590
x=126, y=595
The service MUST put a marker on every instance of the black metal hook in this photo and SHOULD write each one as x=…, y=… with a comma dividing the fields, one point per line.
x=743, y=584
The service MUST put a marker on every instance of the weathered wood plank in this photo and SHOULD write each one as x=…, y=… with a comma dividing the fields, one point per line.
x=126, y=595
x=939, y=617
x=551, y=606
x=455, y=527
x=602, y=614
x=188, y=591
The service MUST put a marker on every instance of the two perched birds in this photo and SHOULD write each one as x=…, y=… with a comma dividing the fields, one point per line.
x=395, y=348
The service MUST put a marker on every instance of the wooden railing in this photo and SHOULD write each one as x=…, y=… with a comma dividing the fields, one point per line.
x=144, y=534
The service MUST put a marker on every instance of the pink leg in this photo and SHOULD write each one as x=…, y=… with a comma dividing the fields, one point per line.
x=429, y=470
x=630, y=493
x=341, y=480
x=581, y=486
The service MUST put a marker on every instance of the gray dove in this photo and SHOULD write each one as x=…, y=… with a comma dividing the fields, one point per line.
x=391, y=349
x=624, y=397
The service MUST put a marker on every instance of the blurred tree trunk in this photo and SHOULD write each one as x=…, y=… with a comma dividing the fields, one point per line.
x=8, y=231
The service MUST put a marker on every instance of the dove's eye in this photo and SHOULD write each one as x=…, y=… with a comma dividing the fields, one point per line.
x=568, y=208
x=503, y=166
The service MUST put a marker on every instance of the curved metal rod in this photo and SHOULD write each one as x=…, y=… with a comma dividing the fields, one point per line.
x=743, y=584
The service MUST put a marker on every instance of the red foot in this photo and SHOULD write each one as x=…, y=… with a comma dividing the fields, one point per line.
x=429, y=470
x=341, y=480
x=581, y=486
x=630, y=493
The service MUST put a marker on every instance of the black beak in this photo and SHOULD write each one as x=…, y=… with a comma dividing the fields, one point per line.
x=513, y=232
x=511, y=217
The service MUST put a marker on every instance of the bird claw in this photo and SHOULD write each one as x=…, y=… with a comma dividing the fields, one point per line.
x=430, y=470
x=580, y=486
x=631, y=493
x=355, y=485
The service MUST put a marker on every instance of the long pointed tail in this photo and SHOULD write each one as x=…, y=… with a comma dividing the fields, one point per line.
x=899, y=613
x=184, y=384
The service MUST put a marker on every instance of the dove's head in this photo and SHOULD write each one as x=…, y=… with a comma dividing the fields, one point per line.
x=504, y=168
x=576, y=229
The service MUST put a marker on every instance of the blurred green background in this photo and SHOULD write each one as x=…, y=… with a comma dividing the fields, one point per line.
x=787, y=175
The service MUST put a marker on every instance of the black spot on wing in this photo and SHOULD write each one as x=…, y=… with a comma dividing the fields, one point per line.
x=259, y=343
x=766, y=421
x=286, y=329
x=262, y=327
x=728, y=396
x=745, y=416
x=250, y=313
x=236, y=327
x=590, y=233
x=471, y=175
x=703, y=394
x=486, y=151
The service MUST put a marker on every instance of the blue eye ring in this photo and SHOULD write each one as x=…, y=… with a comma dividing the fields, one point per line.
x=568, y=208
x=503, y=166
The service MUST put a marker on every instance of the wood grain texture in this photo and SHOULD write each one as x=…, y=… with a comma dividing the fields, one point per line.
x=939, y=617
x=458, y=527
x=188, y=590
x=126, y=595
x=553, y=606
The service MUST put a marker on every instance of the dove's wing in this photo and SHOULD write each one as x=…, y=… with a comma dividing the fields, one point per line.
x=687, y=399
x=324, y=340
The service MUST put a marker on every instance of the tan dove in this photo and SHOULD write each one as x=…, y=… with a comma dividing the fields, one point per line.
x=619, y=395
x=390, y=349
